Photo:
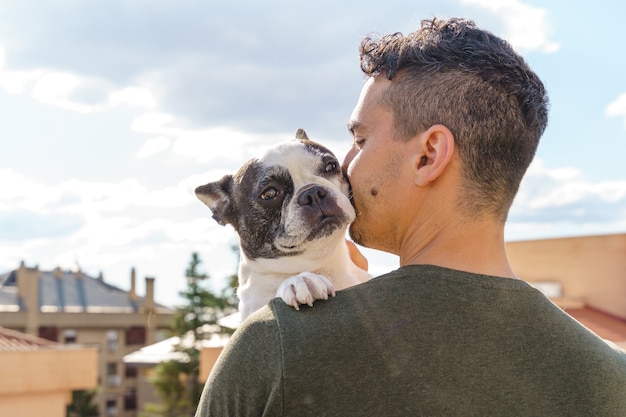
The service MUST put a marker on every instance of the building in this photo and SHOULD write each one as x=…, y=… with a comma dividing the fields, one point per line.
x=73, y=308
x=584, y=275
x=38, y=376
x=147, y=358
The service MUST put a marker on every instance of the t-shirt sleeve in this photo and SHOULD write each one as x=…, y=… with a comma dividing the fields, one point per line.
x=247, y=377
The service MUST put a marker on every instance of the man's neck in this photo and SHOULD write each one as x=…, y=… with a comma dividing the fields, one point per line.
x=476, y=247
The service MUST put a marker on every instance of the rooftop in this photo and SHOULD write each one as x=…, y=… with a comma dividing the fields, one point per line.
x=11, y=340
x=167, y=349
x=70, y=291
x=604, y=325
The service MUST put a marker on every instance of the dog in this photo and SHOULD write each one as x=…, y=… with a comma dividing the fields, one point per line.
x=291, y=209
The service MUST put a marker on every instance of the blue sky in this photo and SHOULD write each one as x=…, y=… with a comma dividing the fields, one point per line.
x=113, y=111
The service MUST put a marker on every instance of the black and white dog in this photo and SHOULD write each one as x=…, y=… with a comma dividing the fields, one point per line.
x=291, y=209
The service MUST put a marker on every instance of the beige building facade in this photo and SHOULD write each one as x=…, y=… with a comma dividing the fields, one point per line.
x=72, y=308
x=585, y=275
x=38, y=376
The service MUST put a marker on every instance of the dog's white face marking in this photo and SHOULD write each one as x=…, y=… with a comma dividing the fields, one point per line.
x=284, y=201
x=316, y=177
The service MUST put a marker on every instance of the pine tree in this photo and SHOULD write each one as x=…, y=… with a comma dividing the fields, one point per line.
x=177, y=383
x=82, y=404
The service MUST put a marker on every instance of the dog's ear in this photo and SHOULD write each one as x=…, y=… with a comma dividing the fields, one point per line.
x=217, y=196
x=301, y=134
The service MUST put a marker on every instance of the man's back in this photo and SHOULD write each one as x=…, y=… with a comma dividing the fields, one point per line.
x=422, y=340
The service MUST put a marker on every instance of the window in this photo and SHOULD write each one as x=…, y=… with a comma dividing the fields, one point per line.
x=69, y=336
x=551, y=289
x=111, y=406
x=130, y=371
x=49, y=333
x=136, y=335
x=113, y=379
x=130, y=399
x=112, y=342
x=111, y=368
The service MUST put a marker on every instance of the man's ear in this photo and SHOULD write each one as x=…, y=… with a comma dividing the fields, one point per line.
x=435, y=153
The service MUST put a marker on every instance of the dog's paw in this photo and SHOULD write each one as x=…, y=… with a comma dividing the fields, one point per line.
x=305, y=288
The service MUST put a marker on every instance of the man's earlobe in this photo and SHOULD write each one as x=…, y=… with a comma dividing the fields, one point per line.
x=437, y=148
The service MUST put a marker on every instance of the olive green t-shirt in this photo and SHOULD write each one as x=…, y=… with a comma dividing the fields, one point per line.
x=419, y=341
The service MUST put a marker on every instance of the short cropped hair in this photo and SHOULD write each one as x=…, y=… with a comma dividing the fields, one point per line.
x=450, y=72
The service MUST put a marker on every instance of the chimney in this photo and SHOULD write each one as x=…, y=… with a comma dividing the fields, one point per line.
x=148, y=302
x=58, y=273
x=28, y=292
x=100, y=277
x=148, y=309
x=133, y=288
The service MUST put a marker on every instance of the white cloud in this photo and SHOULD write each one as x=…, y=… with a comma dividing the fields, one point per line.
x=565, y=193
x=55, y=87
x=133, y=96
x=538, y=169
x=223, y=143
x=554, y=187
x=205, y=145
x=569, y=192
x=527, y=27
x=617, y=108
x=555, y=202
x=102, y=231
x=14, y=82
x=114, y=225
x=71, y=91
x=215, y=144
x=156, y=123
x=153, y=146
x=79, y=93
x=22, y=193
x=85, y=197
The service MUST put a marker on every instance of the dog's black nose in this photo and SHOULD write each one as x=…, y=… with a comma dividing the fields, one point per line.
x=312, y=196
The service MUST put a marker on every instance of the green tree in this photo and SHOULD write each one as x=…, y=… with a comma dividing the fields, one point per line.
x=177, y=382
x=82, y=404
x=169, y=384
x=201, y=305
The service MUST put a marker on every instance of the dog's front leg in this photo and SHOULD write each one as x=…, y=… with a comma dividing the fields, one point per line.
x=305, y=288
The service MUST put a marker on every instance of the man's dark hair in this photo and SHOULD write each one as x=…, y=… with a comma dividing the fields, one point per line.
x=450, y=72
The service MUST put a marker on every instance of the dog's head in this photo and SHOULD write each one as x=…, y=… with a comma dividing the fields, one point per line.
x=280, y=203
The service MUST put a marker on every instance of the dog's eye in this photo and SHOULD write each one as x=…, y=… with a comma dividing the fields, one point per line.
x=269, y=193
x=331, y=166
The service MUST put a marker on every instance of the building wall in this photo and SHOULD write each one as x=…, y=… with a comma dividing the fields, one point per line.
x=40, y=382
x=590, y=268
x=146, y=394
x=114, y=383
x=94, y=329
x=208, y=357
x=48, y=404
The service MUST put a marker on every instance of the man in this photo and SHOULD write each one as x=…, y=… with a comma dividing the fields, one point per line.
x=446, y=125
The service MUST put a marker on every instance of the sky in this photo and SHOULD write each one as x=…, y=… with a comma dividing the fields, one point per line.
x=112, y=112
